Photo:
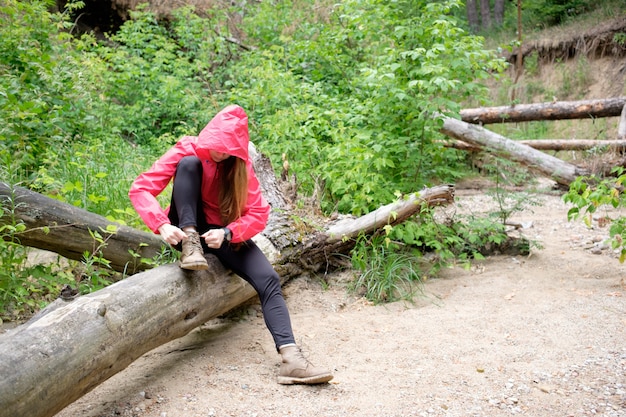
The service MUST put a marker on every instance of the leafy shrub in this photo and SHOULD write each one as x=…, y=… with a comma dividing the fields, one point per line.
x=347, y=93
x=588, y=194
x=392, y=261
x=352, y=98
x=156, y=75
x=44, y=93
x=553, y=12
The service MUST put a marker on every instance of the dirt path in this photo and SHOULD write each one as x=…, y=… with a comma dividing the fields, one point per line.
x=543, y=335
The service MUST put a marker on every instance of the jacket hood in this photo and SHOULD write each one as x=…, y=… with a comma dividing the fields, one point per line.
x=227, y=132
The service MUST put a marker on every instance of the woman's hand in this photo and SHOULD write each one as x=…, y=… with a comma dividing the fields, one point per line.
x=214, y=238
x=172, y=234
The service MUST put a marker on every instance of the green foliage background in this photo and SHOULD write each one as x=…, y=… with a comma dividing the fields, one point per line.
x=347, y=95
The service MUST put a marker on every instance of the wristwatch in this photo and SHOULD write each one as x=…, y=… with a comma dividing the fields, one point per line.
x=227, y=234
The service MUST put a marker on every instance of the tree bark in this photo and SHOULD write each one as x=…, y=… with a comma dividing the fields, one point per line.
x=558, y=110
x=519, y=63
x=553, y=144
x=560, y=171
x=485, y=15
x=498, y=12
x=72, y=346
x=51, y=361
x=472, y=15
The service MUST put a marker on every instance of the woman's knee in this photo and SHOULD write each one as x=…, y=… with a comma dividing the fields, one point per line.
x=190, y=164
x=269, y=285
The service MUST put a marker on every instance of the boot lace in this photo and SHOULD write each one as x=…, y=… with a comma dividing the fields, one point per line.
x=192, y=244
x=299, y=355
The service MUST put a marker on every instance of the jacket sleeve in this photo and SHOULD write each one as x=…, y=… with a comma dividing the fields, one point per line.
x=148, y=185
x=256, y=213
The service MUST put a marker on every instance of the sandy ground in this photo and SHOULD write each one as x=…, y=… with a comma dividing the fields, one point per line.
x=543, y=335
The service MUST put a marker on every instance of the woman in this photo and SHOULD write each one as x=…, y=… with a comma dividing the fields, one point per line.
x=217, y=207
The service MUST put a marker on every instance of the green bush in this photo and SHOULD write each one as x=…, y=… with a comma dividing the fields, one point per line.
x=155, y=83
x=553, y=12
x=43, y=94
x=589, y=194
x=351, y=99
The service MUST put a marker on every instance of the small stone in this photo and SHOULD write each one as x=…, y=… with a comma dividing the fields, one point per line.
x=545, y=388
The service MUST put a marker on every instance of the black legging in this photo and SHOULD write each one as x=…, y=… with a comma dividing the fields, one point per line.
x=247, y=260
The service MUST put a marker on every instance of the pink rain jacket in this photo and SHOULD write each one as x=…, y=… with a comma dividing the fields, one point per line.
x=227, y=132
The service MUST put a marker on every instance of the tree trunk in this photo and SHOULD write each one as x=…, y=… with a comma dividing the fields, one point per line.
x=485, y=14
x=519, y=63
x=562, y=172
x=553, y=144
x=472, y=15
x=57, y=357
x=498, y=12
x=72, y=346
x=583, y=109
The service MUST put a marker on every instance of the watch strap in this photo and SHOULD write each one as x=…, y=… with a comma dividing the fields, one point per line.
x=228, y=235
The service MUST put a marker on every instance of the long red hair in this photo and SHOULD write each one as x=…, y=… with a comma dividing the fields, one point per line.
x=233, y=192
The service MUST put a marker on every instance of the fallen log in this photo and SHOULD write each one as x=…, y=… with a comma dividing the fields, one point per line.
x=51, y=361
x=556, y=110
x=390, y=214
x=62, y=228
x=73, y=346
x=319, y=250
x=560, y=171
x=551, y=144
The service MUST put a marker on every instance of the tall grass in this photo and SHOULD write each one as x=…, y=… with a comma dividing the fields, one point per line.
x=386, y=274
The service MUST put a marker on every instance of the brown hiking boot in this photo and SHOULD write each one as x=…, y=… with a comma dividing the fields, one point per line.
x=192, y=256
x=296, y=369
